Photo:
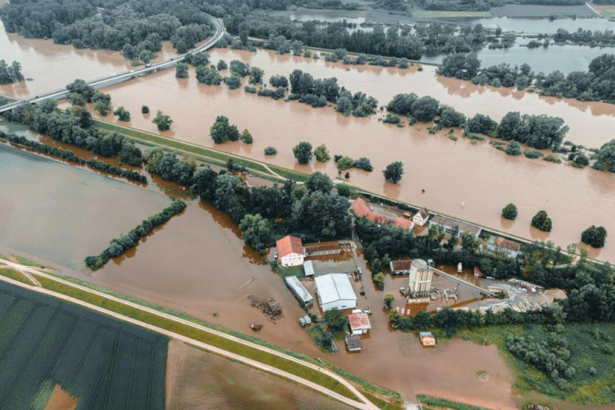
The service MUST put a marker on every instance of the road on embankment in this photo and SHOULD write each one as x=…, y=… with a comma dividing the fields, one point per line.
x=367, y=405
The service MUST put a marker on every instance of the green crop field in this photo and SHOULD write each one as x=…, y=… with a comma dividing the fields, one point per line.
x=100, y=361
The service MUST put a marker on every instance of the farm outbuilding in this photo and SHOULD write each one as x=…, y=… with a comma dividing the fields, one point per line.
x=359, y=323
x=308, y=268
x=322, y=250
x=300, y=292
x=353, y=342
x=335, y=291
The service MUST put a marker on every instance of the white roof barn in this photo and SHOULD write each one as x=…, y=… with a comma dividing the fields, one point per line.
x=335, y=291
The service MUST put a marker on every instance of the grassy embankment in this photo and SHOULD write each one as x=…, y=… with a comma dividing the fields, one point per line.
x=14, y=274
x=437, y=402
x=585, y=345
x=203, y=153
x=384, y=395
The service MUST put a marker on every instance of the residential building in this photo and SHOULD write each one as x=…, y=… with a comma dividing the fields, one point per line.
x=503, y=246
x=448, y=224
x=300, y=292
x=419, y=282
x=353, y=343
x=359, y=323
x=421, y=217
x=290, y=251
x=335, y=291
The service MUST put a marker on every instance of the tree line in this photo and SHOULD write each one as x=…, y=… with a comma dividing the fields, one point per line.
x=313, y=212
x=537, y=131
x=283, y=35
x=593, y=38
x=10, y=73
x=124, y=242
x=596, y=84
x=74, y=126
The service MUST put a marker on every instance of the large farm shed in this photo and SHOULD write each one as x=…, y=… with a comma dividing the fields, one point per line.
x=53, y=349
x=335, y=291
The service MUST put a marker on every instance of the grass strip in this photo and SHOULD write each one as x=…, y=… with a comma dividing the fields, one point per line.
x=447, y=404
x=381, y=404
x=25, y=261
x=202, y=336
x=220, y=156
x=15, y=274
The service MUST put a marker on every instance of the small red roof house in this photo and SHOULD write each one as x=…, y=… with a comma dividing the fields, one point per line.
x=290, y=251
x=359, y=323
x=360, y=208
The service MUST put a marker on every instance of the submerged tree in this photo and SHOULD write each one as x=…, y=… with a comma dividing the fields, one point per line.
x=303, y=152
x=394, y=171
x=162, y=121
x=594, y=236
x=122, y=113
x=510, y=212
x=542, y=221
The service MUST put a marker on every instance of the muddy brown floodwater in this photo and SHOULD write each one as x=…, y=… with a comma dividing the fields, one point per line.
x=52, y=66
x=452, y=173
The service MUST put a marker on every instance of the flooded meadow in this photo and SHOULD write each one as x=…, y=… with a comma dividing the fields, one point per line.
x=472, y=181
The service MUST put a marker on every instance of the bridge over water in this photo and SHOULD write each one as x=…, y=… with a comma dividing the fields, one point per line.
x=118, y=78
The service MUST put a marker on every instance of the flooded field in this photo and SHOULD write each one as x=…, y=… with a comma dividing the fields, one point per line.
x=565, y=58
x=63, y=214
x=451, y=173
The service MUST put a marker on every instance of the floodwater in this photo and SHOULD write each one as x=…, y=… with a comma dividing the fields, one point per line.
x=52, y=66
x=62, y=213
x=198, y=264
x=545, y=26
x=470, y=181
x=565, y=58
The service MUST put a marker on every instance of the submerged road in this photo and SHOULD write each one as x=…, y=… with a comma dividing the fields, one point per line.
x=366, y=405
x=118, y=78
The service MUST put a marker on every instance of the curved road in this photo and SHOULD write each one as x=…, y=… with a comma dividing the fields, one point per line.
x=116, y=78
x=366, y=405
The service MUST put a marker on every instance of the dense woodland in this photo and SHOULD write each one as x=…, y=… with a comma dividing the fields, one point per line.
x=394, y=41
x=136, y=27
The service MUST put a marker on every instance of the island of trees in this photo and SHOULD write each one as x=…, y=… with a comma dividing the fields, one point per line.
x=10, y=73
